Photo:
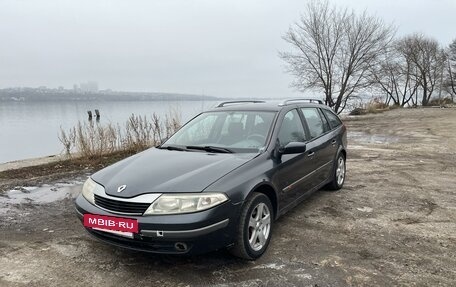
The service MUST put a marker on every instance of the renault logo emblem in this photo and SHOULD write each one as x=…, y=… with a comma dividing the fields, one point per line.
x=121, y=188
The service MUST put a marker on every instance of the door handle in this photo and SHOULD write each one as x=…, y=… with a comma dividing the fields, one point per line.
x=312, y=153
x=333, y=142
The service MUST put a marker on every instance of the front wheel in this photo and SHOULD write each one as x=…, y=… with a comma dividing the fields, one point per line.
x=255, y=226
x=338, y=176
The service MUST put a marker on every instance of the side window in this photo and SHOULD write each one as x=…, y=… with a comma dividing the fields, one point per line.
x=326, y=126
x=314, y=121
x=334, y=120
x=291, y=129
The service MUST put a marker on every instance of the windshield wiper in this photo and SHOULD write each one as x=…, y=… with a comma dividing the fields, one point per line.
x=172, y=147
x=210, y=148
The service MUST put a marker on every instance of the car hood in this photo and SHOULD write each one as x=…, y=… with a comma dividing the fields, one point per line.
x=166, y=171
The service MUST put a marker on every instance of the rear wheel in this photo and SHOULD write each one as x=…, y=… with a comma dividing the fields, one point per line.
x=255, y=226
x=338, y=177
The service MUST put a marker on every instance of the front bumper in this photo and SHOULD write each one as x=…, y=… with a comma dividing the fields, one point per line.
x=190, y=233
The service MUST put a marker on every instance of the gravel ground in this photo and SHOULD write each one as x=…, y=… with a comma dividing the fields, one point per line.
x=393, y=223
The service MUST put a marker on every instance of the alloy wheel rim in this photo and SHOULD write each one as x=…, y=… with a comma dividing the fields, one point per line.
x=340, y=171
x=259, y=226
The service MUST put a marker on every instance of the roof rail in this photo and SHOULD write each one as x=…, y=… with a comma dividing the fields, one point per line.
x=287, y=102
x=222, y=104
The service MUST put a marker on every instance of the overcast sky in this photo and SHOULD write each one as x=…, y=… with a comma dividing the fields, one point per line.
x=220, y=48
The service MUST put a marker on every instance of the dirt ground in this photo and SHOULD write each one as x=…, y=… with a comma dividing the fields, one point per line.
x=393, y=223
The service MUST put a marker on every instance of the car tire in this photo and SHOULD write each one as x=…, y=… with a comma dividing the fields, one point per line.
x=255, y=227
x=338, y=173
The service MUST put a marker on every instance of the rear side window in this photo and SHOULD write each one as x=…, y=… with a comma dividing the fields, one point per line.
x=326, y=127
x=334, y=120
x=314, y=122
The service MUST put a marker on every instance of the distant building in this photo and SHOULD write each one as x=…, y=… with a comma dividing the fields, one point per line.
x=88, y=87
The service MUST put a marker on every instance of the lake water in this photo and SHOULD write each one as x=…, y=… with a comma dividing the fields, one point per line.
x=29, y=130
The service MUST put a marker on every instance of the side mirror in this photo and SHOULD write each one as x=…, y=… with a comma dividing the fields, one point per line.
x=293, y=147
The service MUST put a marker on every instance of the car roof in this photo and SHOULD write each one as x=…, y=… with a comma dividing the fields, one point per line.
x=262, y=106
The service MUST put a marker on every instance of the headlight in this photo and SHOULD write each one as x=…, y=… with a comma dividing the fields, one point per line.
x=89, y=188
x=184, y=203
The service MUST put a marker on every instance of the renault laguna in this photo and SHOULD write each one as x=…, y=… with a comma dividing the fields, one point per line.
x=220, y=181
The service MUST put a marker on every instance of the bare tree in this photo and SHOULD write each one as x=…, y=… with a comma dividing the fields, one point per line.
x=333, y=51
x=394, y=76
x=450, y=82
x=428, y=59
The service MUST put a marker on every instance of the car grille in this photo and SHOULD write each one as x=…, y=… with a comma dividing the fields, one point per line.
x=121, y=206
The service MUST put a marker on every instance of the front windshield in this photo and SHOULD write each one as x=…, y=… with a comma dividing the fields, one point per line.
x=237, y=131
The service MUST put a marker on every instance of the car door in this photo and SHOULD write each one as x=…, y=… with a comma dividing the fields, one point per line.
x=292, y=170
x=321, y=145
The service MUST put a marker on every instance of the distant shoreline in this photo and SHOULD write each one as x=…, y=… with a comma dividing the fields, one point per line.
x=43, y=94
x=48, y=96
x=106, y=100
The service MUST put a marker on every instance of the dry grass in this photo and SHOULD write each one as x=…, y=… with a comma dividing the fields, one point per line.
x=93, y=140
x=441, y=102
x=374, y=106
